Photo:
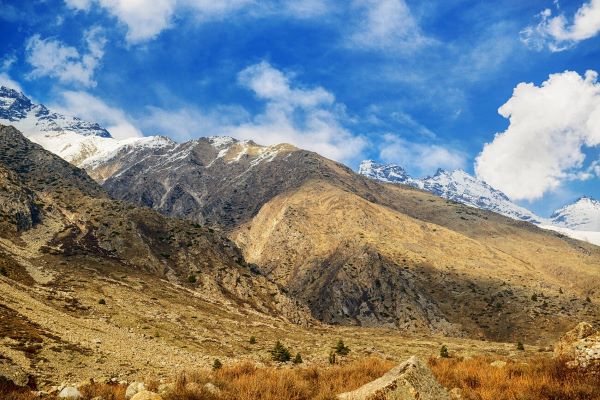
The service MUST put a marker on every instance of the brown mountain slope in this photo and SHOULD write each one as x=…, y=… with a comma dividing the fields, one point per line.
x=62, y=213
x=357, y=262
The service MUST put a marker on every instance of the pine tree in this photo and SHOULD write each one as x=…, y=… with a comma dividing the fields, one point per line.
x=341, y=349
x=280, y=353
x=297, y=359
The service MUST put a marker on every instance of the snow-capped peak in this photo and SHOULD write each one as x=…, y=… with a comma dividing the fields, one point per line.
x=391, y=173
x=34, y=119
x=582, y=215
x=455, y=185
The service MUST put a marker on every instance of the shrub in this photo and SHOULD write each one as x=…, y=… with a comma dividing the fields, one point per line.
x=534, y=297
x=280, y=353
x=192, y=279
x=588, y=299
x=520, y=346
x=252, y=340
x=444, y=352
x=341, y=349
x=3, y=271
x=102, y=301
x=332, y=357
x=217, y=364
x=297, y=359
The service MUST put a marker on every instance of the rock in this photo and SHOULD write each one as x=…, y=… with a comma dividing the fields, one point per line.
x=165, y=387
x=212, y=389
x=410, y=380
x=146, y=395
x=69, y=392
x=13, y=373
x=98, y=398
x=134, y=388
x=580, y=346
x=456, y=394
x=498, y=364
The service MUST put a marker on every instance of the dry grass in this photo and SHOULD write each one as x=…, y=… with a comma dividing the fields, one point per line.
x=245, y=381
x=537, y=379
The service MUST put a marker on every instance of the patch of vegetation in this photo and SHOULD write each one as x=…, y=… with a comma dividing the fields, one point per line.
x=341, y=349
x=192, y=279
x=217, y=364
x=297, y=359
x=102, y=301
x=520, y=346
x=3, y=271
x=280, y=353
x=444, y=352
x=252, y=340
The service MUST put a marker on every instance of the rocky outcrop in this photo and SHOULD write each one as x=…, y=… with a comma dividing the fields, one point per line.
x=410, y=380
x=580, y=346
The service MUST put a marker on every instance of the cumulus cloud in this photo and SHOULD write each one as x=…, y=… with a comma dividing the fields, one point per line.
x=52, y=58
x=145, y=21
x=307, y=117
x=91, y=108
x=558, y=33
x=386, y=24
x=420, y=158
x=550, y=126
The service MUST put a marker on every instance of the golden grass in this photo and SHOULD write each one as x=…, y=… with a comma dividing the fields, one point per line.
x=246, y=381
x=537, y=379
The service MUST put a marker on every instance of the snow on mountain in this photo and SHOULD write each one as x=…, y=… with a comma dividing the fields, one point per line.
x=582, y=215
x=586, y=236
x=453, y=185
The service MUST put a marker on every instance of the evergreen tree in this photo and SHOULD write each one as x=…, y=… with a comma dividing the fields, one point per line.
x=280, y=353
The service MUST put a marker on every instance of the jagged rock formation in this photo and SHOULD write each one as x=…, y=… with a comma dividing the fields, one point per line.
x=411, y=380
x=581, y=346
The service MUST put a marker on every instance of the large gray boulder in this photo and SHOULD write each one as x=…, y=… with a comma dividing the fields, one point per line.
x=411, y=380
x=70, y=392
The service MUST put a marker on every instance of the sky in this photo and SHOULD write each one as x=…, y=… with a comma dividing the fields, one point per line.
x=506, y=90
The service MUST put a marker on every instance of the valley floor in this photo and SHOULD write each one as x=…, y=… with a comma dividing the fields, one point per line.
x=102, y=323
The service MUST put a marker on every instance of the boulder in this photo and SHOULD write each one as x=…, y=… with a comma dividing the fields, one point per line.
x=580, y=346
x=69, y=392
x=212, y=389
x=498, y=364
x=146, y=395
x=134, y=388
x=410, y=380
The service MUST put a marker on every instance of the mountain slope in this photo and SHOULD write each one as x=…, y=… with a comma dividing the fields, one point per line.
x=62, y=212
x=455, y=185
x=582, y=215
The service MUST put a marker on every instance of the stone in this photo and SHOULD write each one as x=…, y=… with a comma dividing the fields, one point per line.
x=580, y=346
x=146, y=395
x=211, y=388
x=456, y=394
x=134, y=388
x=165, y=387
x=498, y=364
x=69, y=392
x=410, y=380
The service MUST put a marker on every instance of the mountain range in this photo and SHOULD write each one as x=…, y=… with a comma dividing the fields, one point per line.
x=459, y=186
x=268, y=238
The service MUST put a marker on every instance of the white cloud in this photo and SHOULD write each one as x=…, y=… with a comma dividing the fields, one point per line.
x=6, y=80
x=422, y=158
x=386, y=24
x=50, y=57
x=146, y=20
x=542, y=147
x=90, y=108
x=558, y=33
x=306, y=117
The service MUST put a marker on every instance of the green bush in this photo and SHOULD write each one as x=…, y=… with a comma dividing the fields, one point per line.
x=252, y=340
x=3, y=271
x=192, y=279
x=520, y=346
x=217, y=364
x=102, y=301
x=444, y=352
x=280, y=353
x=297, y=359
x=341, y=349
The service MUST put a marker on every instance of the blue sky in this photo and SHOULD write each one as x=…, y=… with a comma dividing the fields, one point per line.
x=418, y=83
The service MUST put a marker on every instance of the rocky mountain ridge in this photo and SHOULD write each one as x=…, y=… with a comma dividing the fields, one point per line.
x=581, y=215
